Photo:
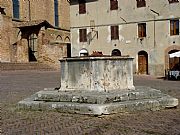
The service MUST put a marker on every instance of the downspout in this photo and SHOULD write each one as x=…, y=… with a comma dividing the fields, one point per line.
x=154, y=33
x=29, y=3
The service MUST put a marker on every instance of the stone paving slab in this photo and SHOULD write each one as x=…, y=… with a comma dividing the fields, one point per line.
x=96, y=97
x=98, y=103
x=100, y=109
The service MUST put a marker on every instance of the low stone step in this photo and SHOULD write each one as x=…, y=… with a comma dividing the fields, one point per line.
x=25, y=66
x=99, y=109
x=95, y=97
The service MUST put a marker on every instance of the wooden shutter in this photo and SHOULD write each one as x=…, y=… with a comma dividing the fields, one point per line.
x=174, y=27
x=171, y=27
x=83, y=35
x=114, y=32
x=142, y=30
x=113, y=4
x=82, y=7
x=141, y=3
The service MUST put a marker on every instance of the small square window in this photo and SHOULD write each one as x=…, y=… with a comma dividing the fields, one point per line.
x=113, y=4
x=173, y=1
x=141, y=3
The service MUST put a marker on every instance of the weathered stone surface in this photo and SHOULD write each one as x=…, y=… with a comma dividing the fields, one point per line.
x=96, y=73
x=97, y=97
x=82, y=90
x=98, y=103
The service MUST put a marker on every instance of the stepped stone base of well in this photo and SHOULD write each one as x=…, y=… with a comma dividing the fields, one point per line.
x=98, y=103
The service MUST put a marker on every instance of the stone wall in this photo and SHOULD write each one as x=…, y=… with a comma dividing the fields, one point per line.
x=40, y=10
x=97, y=73
x=5, y=33
x=36, y=17
x=156, y=14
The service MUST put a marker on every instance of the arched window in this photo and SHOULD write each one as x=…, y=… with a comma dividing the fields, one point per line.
x=83, y=52
x=116, y=52
x=16, y=9
x=56, y=16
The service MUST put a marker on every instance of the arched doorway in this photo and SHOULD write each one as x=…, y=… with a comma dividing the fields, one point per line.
x=168, y=51
x=143, y=62
x=174, y=61
x=116, y=52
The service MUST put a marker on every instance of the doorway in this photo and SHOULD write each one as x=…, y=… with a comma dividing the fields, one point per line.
x=68, y=50
x=174, y=62
x=142, y=62
x=32, y=48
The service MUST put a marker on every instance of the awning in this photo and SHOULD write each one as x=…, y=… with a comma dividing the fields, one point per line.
x=176, y=54
x=33, y=23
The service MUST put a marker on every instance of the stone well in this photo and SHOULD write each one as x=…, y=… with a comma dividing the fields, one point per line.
x=96, y=86
x=97, y=73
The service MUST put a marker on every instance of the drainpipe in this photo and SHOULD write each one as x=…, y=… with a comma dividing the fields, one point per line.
x=154, y=26
x=29, y=3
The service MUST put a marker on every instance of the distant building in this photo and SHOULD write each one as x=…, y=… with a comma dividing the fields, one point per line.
x=147, y=30
x=34, y=30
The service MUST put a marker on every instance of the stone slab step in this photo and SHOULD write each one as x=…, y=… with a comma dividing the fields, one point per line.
x=25, y=66
x=95, y=97
x=99, y=109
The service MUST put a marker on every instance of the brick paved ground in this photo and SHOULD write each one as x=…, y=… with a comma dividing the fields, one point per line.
x=16, y=85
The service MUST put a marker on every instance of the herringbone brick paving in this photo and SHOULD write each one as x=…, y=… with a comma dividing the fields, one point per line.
x=16, y=85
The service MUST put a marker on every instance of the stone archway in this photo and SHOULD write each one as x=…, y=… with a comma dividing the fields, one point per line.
x=167, y=51
x=59, y=38
x=67, y=39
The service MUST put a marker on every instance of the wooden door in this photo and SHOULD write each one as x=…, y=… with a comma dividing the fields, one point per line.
x=142, y=64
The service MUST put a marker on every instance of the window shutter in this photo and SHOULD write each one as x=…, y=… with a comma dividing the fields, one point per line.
x=82, y=7
x=174, y=27
x=142, y=30
x=114, y=32
x=113, y=4
x=83, y=35
x=141, y=3
x=171, y=28
x=139, y=30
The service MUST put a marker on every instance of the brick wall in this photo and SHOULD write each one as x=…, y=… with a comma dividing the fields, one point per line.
x=51, y=42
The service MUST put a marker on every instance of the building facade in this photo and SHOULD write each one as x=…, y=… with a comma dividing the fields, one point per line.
x=144, y=29
x=34, y=30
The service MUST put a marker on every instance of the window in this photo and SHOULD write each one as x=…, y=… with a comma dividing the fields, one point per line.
x=16, y=9
x=173, y=1
x=116, y=52
x=142, y=30
x=113, y=4
x=174, y=27
x=141, y=3
x=56, y=16
x=82, y=6
x=82, y=35
x=114, y=32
